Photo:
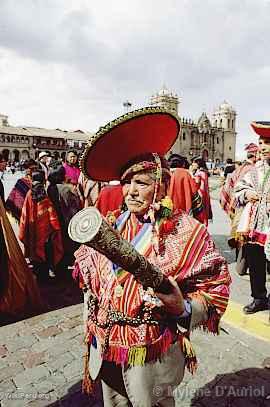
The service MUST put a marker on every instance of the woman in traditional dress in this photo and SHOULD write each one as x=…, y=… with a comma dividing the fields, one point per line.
x=200, y=174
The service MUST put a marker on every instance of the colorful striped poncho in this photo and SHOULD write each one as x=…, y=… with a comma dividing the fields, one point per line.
x=38, y=224
x=227, y=199
x=201, y=179
x=254, y=226
x=16, y=198
x=185, y=252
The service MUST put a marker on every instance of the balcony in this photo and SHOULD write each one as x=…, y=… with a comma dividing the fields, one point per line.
x=49, y=146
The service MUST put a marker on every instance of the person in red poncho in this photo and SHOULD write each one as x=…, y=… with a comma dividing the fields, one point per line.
x=110, y=198
x=183, y=190
x=137, y=338
x=200, y=174
x=40, y=229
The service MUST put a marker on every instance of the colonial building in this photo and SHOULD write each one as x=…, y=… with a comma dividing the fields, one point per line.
x=213, y=139
x=21, y=143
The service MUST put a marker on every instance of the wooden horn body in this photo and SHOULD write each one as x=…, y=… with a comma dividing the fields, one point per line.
x=90, y=228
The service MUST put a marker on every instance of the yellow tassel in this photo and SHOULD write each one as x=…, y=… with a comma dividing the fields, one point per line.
x=136, y=356
x=189, y=354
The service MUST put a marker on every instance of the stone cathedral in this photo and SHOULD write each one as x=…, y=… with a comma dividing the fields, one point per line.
x=213, y=139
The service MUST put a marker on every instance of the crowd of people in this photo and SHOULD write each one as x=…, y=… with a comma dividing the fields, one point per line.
x=137, y=337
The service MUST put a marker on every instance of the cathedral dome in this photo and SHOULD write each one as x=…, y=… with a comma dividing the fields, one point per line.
x=226, y=107
x=164, y=91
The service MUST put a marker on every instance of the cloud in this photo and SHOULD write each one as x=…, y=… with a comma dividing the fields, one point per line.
x=72, y=64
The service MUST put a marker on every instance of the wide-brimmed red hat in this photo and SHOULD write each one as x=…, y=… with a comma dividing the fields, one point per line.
x=261, y=128
x=147, y=130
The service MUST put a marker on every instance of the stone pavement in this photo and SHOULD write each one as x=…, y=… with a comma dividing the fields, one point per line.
x=42, y=362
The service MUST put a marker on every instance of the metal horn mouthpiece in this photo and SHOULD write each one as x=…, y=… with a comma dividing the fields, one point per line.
x=90, y=228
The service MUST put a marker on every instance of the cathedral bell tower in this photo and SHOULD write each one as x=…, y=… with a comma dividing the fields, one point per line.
x=166, y=99
x=224, y=118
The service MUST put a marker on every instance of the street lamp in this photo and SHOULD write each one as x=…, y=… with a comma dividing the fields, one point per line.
x=127, y=105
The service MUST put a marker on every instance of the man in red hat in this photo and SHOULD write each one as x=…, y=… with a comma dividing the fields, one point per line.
x=138, y=339
x=252, y=192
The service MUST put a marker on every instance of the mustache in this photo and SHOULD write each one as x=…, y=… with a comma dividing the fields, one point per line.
x=133, y=200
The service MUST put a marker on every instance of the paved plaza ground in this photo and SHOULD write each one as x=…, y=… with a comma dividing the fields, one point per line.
x=41, y=358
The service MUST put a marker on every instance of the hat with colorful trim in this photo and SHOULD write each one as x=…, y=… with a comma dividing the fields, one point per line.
x=251, y=148
x=261, y=128
x=147, y=130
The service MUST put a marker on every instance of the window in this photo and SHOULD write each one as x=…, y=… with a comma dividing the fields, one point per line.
x=184, y=136
x=220, y=122
x=230, y=148
x=217, y=140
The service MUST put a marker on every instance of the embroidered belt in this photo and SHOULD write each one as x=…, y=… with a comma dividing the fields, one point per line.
x=119, y=318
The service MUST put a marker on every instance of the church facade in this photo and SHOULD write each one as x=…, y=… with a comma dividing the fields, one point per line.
x=214, y=139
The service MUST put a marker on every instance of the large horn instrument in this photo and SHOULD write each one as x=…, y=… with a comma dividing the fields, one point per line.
x=90, y=228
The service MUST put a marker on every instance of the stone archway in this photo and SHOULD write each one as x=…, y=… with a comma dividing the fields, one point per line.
x=25, y=155
x=6, y=154
x=16, y=155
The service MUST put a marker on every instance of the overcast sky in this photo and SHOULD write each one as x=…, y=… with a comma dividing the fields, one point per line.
x=71, y=64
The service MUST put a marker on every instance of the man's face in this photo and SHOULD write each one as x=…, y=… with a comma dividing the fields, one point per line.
x=138, y=192
x=71, y=158
x=3, y=165
x=194, y=166
x=44, y=159
x=264, y=146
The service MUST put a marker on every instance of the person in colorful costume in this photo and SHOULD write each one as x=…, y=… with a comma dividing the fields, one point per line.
x=200, y=174
x=71, y=168
x=40, y=230
x=228, y=203
x=183, y=189
x=252, y=192
x=16, y=198
x=138, y=340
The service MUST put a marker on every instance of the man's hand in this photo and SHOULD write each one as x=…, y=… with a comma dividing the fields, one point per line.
x=173, y=302
x=251, y=196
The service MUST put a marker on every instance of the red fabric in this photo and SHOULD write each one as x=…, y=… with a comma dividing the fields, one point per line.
x=110, y=198
x=201, y=178
x=38, y=223
x=145, y=132
x=182, y=188
x=261, y=129
x=187, y=254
